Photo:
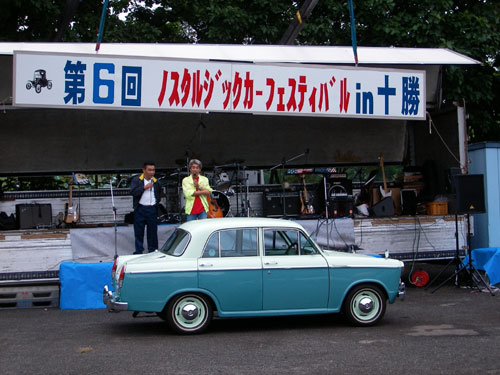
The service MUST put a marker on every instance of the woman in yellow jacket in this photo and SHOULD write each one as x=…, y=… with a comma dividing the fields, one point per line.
x=196, y=188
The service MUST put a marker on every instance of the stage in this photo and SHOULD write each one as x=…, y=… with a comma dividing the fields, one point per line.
x=405, y=237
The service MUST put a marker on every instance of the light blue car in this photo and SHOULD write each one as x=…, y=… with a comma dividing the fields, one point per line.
x=249, y=267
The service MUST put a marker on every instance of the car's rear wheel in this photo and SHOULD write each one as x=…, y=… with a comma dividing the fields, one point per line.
x=28, y=85
x=49, y=85
x=189, y=313
x=365, y=305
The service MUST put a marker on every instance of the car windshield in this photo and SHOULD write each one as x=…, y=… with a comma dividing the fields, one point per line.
x=176, y=243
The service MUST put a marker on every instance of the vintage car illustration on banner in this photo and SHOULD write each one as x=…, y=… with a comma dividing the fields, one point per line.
x=249, y=267
x=39, y=80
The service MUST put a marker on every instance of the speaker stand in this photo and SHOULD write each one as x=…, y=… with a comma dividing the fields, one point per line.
x=472, y=274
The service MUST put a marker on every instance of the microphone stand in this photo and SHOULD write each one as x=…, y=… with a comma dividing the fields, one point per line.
x=282, y=165
x=114, y=218
x=327, y=208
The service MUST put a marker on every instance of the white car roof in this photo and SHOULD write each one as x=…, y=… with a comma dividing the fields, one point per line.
x=211, y=225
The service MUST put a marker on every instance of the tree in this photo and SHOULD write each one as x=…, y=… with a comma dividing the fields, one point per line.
x=470, y=27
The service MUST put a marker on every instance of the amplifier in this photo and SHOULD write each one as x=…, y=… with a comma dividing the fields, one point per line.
x=273, y=204
x=336, y=187
x=32, y=216
x=341, y=206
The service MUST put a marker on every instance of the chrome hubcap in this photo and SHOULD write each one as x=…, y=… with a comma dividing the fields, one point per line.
x=190, y=312
x=365, y=305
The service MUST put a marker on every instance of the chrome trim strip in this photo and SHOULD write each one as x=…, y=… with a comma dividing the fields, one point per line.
x=361, y=266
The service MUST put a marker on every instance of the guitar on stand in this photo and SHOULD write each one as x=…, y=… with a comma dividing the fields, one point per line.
x=306, y=208
x=386, y=206
x=70, y=211
x=385, y=192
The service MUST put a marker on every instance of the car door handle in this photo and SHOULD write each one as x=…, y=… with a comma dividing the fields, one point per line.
x=206, y=264
x=270, y=263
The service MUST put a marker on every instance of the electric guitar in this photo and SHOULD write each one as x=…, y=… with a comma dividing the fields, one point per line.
x=384, y=191
x=70, y=212
x=306, y=207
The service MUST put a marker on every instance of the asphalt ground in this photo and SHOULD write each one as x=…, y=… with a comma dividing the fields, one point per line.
x=455, y=330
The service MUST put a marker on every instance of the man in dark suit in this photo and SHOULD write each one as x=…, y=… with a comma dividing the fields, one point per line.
x=146, y=192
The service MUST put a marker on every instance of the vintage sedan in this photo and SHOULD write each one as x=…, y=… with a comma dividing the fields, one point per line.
x=249, y=267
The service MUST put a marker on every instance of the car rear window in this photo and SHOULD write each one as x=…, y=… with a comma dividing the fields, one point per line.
x=176, y=243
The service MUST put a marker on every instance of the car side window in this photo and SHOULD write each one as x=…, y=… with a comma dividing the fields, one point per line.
x=212, y=246
x=306, y=246
x=232, y=243
x=281, y=242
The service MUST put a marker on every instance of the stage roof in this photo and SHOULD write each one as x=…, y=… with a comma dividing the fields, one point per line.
x=100, y=140
x=257, y=53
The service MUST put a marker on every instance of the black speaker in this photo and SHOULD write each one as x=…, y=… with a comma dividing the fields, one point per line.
x=409, y=201
x=384, y=208
x=469, y=193
x=31, y=216
x=273, y=204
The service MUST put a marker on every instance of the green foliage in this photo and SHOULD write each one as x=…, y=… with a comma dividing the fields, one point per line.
x=33, y=183
x=28, y=20
x=469, y=27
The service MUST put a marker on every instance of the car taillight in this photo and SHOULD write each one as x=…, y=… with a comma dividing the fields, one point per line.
x=113, y=269
x=122, y=275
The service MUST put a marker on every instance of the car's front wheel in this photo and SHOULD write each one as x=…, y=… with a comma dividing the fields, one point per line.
x=189, y=313
x=365, y=305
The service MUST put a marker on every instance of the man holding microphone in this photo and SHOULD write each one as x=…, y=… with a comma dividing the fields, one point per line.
x=146, y=192
x=196, y=188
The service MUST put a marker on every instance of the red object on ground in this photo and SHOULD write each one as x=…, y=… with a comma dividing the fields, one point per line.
x=420, y=278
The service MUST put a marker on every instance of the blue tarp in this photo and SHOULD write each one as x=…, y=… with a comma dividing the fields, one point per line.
x=82, y=285
x=488, y=259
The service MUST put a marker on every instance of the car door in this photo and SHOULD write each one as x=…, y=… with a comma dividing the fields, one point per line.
x=231, y=269
x=295, y=273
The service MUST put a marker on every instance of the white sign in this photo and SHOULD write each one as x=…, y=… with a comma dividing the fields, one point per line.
x=111, y=82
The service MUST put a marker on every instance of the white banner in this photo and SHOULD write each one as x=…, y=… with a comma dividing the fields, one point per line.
x=112, y=82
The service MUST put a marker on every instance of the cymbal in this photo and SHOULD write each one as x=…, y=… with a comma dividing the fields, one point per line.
x=223, y=186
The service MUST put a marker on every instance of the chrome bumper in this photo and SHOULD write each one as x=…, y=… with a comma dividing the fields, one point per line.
x=401, y=290
x=110, y=301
